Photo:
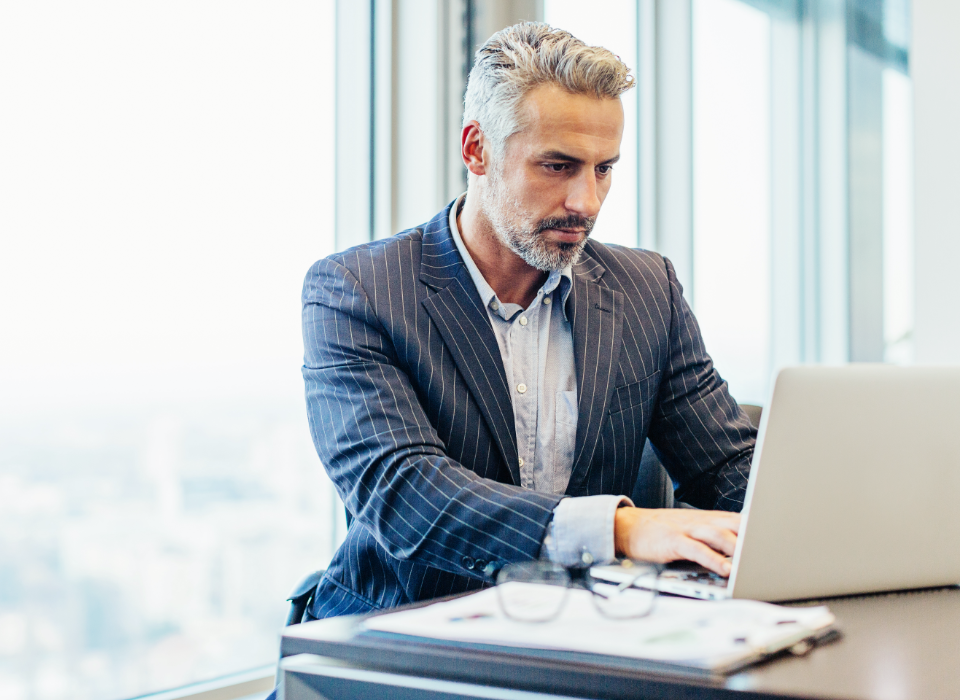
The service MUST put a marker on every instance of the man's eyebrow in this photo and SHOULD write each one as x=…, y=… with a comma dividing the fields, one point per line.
x=559, y=155
x=566, y=157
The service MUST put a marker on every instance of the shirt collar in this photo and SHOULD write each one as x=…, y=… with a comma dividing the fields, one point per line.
x=562, y=278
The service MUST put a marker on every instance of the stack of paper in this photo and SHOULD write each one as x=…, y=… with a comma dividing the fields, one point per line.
x=710, y=635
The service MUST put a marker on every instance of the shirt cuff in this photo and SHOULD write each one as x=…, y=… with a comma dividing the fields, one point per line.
x=582, y=527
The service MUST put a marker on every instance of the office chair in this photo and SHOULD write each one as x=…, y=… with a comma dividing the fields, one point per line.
x=302, y=596
x=654, y=488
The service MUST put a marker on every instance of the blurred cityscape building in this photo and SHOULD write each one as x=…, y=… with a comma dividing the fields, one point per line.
x=141, y=551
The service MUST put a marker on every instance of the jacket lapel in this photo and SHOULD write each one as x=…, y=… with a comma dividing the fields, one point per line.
x=464, y=326
x=596, y=315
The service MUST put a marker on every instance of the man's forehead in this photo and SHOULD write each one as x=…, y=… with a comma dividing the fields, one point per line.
x=559, y=120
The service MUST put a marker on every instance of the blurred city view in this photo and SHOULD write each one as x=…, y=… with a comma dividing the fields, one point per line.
x=141, y=550
x=166, y=181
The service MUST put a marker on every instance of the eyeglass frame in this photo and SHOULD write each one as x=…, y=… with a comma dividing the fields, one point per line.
x=579, y=576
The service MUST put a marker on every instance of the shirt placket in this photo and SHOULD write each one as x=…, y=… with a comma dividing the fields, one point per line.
x=524, y=345
x=546, y=413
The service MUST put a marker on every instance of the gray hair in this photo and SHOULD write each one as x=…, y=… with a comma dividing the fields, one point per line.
x=520, y=58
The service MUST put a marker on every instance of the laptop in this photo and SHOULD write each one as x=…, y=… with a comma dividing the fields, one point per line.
x=854, y=488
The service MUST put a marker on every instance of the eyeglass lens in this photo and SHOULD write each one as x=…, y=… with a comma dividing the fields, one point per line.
x=528, y=603
x=543, y=602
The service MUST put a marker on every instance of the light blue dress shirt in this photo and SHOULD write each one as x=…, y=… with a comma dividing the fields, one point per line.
x=536, y=345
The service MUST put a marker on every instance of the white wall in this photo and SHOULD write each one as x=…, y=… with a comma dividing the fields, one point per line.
x=935, y=65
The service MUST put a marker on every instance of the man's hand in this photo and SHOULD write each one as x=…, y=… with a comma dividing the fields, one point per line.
x=706, y=537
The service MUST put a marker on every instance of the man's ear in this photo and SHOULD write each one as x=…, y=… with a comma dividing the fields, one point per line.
x=474, y=148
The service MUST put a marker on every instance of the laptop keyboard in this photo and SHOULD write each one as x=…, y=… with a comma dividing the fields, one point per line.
x=704, y=576
x=707, y=577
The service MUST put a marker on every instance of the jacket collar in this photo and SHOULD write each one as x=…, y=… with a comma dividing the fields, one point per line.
x=440, y=262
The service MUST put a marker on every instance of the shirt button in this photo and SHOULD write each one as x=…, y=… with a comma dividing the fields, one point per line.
x=468, y=563
x=522, y=388
x=521, y=461
x=546, y=300
x=523, y=320
x=494, y=305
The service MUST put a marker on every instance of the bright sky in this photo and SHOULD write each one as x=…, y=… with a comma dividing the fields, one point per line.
x=165, y=181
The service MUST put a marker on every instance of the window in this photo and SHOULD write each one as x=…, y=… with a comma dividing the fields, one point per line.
x=732, y=191
x=897, y=217
x=165, y=182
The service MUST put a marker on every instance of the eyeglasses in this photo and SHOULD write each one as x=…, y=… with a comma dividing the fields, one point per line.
x=523, y=602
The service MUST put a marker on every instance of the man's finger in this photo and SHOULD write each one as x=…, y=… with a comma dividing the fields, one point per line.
x=719, y=538
x=705, y=556
x=720, y=518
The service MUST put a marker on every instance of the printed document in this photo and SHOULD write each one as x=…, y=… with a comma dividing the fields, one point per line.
x=709, y=635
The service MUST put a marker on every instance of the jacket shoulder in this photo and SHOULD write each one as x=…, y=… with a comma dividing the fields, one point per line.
x=397, y=257
x=404, y=248
x=383, y=249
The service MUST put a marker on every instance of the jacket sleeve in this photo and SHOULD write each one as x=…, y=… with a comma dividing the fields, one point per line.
x=704, y=439
x=384, y=456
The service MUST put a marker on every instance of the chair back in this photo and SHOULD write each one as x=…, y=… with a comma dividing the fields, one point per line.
x=654, y=488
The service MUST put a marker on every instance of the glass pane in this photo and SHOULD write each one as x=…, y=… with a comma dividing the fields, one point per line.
x=613, y=25
x=731, y=190
x=897, y=217
x=165, y=181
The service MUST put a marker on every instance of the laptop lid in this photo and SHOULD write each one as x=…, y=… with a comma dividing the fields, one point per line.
x=855, y=484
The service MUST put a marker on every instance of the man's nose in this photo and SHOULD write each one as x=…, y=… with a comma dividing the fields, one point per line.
x=583, y=198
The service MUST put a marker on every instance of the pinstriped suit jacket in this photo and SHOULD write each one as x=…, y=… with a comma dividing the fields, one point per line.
x=411, y=414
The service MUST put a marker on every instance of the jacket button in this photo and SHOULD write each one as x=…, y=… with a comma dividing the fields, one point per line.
x=468, y=563
x=480, y=565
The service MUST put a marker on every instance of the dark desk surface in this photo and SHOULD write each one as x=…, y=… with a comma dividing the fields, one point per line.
x=899, y=645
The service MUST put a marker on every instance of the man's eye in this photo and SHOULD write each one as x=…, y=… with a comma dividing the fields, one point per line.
x=604, y=169
x=556, y=167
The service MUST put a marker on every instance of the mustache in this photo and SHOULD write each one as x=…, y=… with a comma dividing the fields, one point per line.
x=573, y=221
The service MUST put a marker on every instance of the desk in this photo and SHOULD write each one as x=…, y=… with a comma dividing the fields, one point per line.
x=901, y=645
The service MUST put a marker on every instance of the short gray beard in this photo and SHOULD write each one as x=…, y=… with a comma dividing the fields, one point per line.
x=529, y=244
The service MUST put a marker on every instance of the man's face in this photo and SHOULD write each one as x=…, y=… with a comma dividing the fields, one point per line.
x=544, y=192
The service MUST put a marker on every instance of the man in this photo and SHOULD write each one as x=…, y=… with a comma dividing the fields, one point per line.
x=480, y=388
